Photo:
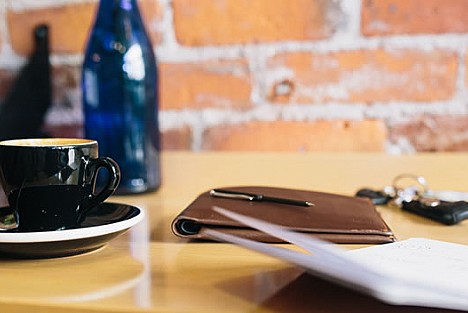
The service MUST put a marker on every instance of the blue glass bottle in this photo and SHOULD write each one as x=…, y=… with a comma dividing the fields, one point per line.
x=120, y=94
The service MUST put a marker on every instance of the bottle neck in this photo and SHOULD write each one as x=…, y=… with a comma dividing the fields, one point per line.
x=116, y=24
x=127, y=5
x=109, y=10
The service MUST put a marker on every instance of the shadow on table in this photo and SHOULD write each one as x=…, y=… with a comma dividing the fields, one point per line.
x=302, y=292
x=310, y=294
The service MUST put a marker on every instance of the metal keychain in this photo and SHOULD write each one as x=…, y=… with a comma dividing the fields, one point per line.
x=411, y=193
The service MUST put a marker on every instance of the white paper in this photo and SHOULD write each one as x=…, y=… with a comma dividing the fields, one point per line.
x=416, y=271
x=435, y=267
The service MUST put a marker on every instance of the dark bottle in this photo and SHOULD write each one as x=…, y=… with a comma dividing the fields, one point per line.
x=31, y=93
x=120, y=94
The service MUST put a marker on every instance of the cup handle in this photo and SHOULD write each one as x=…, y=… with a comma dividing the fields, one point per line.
x=114, y=178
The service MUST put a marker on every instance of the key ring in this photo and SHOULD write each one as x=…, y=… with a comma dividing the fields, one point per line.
x=420, y=180
x=415, y=188
x=411, y=193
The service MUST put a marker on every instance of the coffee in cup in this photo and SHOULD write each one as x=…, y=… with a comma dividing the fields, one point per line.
x=50, y=182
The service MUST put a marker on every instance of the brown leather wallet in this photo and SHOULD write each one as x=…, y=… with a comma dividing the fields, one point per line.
x=332, y=217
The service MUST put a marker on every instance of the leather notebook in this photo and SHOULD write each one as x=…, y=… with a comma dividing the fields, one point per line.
x=331, y=217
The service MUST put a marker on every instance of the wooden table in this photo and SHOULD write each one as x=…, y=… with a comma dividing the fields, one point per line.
x=150, y=270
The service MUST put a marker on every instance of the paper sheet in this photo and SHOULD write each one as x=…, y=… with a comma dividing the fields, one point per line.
x=416, y=271
x=423, y=261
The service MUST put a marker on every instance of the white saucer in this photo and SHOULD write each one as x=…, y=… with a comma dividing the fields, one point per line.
x=102, y=224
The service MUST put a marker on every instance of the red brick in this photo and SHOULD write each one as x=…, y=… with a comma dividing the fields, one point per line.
x=217, y=22
x=433, y=133
x=177, y=139
x=387, y=17
x=362, y=76
x=222, y=84
x=69, y=25
x=152, y=14
x=337, y=136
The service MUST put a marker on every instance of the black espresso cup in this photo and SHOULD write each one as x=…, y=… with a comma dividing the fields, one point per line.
x=50, y=183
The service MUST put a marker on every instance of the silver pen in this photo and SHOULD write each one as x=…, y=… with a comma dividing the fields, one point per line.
x=231, y=194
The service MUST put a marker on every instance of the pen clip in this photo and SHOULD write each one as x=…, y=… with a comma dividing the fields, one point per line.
x=232, y=195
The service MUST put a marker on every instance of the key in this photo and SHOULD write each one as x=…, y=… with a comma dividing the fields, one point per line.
x=377, y=197
x=448, y=213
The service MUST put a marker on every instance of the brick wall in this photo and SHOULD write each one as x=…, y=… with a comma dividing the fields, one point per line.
x=286, y=75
